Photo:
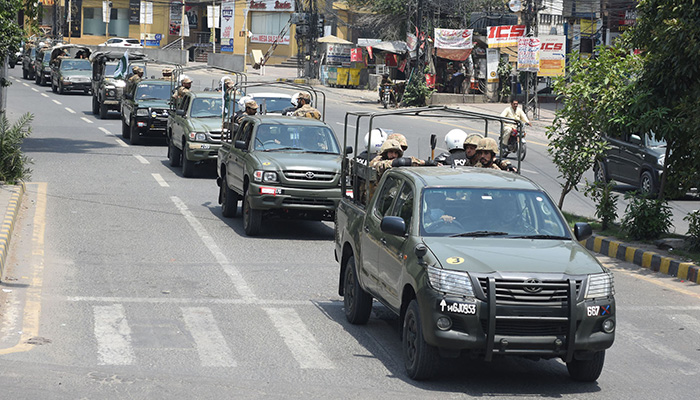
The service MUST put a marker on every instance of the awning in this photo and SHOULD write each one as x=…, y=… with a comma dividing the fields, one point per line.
x=397, y=47
x=333, y=39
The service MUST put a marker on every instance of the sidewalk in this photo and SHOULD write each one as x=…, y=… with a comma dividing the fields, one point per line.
x=10, y=199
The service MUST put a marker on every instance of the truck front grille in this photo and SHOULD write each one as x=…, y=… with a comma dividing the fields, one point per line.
x=522, y=292
x=307, y=201
x=527, y=328
x=316, y=176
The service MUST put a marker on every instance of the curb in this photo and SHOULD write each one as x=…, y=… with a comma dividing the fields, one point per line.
x=8, y=223
x=647, y=259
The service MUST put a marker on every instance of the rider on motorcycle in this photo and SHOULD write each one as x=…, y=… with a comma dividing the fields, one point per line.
x=385, y=81
x=512, y=112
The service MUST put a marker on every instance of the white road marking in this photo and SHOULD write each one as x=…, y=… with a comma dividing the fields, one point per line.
x=103, y=129
x=35, y=89
x=299, y=340
x=238, y=281
x=113, y=335
x=160, y=180
x=25, y=84
x=70, y=110
x=141, y=159
x=86, y=120
x=342, y=124
x=56, y=101
x=45, y=95
x=211, y=345
x=687, y=321
x=121, y=143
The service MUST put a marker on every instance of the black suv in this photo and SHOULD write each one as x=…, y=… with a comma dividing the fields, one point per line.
x=634, y=160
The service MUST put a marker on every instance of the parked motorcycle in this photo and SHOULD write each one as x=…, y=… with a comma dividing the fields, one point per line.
x=514, y=143
x=388, y=97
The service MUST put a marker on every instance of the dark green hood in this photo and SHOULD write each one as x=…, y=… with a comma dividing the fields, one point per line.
x=298, y=160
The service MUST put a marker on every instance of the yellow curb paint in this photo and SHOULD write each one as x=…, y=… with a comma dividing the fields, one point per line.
x=665, y=264
x=646, y=259
x=612, y=249
x=683, y=270
x=597, y=243
x=629, y=254
x=32, y=306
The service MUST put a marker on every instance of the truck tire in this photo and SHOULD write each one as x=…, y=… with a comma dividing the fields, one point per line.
x=95, y=105
x=188, y=166
x=174, y=154
x=103, y=111
x=420, y=359
x=61, y=90
x=24, y=73
x=229, y=200
x=134, y=133
x=600, y=173
x=357, y=302
x=53, y=88
x=125, y=130
x=587, y=370
x=252, y=219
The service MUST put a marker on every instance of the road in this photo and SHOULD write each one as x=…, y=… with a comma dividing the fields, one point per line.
x=125, y=281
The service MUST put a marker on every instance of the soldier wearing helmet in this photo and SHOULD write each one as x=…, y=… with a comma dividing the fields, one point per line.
x=185, y=85
x=248, y=106
x=486, y=153
x=305, y=109
x=470, y=144
x=455, y=155
x=404, y=146
x=390, y=151
x=136, y=77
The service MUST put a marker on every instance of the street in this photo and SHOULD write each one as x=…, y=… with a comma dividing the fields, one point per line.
x=125, y=281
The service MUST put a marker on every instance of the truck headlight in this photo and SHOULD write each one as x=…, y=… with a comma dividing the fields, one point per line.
x=198, y=136
x=662, y=160
x=600, y=285
x=453, y=282
x=141, y=112
x=265, y=176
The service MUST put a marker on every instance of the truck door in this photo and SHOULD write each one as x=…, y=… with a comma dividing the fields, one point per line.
x=235, y=165
x=373, y=238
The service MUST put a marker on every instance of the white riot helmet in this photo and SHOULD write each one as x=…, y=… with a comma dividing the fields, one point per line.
x=295, y=97
x=455, y=139
x=379, y=135
x=242, y=101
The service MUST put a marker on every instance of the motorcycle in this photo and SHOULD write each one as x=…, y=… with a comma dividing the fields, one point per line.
x=514, y=143
x=388, y=96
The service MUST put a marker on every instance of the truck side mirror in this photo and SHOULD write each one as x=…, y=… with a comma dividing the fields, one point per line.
x=393, y=226
x=582, y=231
x=636, y=140
x=180, y=113
x=348, y=150
x=240, y=144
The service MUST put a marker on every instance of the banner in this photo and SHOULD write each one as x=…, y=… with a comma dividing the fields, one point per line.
x=529, y=54
x=271, y=5
x=492, y=65
x=504, y=36
x=192, y=17
x=227, y=26
x=135, y=12
x=268, y=39
x=74, y=15
x=213, y=17
x=175, y=17
x=552, y=55
x=453, y=38
x=356, y=54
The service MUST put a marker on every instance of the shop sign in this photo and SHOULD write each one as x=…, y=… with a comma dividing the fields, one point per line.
x=227, y=26
x=505, y=35
x=529, y=54
x=271, y=5
x=453, y=38
x=552, y=55
x=269, y=39
x=492, y=56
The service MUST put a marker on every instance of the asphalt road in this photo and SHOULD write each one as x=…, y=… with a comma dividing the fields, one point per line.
x=125, y=281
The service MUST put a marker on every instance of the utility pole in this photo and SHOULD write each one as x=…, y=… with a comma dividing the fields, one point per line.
x=532, y=7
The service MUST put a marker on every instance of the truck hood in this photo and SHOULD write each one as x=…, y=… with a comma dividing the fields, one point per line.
x=297, y=160
x=487, y=255
x=206, y=124
x=86, y=75
x=153, y=104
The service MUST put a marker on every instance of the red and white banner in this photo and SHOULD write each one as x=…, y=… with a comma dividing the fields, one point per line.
x=268, y=39
x=552, y=55
x=271, y=5
x=529, y=54
x=356, y=54
x=505, y=36
x=453, y=38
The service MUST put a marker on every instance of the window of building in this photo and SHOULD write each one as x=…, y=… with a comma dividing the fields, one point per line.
x=118, y=22
x=268, y=23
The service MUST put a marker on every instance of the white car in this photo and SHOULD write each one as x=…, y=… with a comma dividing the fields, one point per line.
x=123, y=42
x=272, y=103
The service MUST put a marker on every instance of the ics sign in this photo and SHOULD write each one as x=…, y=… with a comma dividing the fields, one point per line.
x=505, y=35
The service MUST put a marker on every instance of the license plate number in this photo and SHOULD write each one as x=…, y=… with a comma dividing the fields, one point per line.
x=456, y=307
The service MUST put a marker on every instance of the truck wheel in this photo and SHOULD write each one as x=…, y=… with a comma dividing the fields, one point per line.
x=174, y=154
x=228, y=199
x=252, y=219
x=587, y=370
x=357, y=302
x=61, y=90
x=24, y=73
x=53, y=88
x=420, y=358
x=95, y=105
x=103, y=111
x=125, y=130
x=134, y=133
x=188, y=166
x=37, y=79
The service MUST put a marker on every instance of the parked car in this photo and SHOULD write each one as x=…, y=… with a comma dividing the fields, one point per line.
x=633, y=159
x=123, y=42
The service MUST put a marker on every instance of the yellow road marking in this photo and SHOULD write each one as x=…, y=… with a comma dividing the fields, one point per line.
x=32, y=306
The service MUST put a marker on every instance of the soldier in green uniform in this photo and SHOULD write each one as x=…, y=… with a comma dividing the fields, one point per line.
x=306, y=110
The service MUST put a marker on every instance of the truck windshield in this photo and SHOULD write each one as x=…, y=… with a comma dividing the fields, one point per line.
x=206, y=108
x=75, y=65
x=147, y=91
x=313, y=139
x=480, y=212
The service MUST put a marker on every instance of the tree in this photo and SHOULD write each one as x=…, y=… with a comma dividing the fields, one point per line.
x=597, y=95
x=668, y=34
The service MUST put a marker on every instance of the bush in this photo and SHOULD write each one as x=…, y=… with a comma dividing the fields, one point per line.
x=605, y=200
x=14, y=164
x=646, y=218
x=417, y=92
x=694, y=229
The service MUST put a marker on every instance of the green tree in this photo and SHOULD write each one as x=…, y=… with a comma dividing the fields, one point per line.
x=668, y=99
x=597, y=95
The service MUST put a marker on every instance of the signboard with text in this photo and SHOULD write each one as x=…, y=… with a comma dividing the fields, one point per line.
x=227, y=26
x=271, y=5
x=552, y=55
x=529, y=54
x=268, y=39
x=505, y=35
x=453, y=38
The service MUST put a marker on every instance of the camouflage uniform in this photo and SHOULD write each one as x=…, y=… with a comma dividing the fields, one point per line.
x=487, y=144
x=307, y=111
x=404, y=146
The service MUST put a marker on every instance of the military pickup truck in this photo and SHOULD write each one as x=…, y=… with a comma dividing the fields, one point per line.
x=108, y=91
x=145, y=110
x=70, y=69
x=279, y=166
x=194, y=131
x=474, y=262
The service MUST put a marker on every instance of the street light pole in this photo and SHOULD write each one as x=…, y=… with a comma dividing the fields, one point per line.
x=70, y=17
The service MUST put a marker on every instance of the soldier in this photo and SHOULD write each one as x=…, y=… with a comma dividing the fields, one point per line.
x=251, y=108
x=305, y=109
x=379, y=135
x=470, y=148
x=185, y=85
x=486, y=154
x=391, y=155
x=137, y=75
x=455, y=155
x=404, y=146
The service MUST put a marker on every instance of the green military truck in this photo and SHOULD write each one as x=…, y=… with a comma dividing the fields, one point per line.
x=145, y=110
x=194, y=130
x=280, y=167
x=108, y=91
x=70, y=69
x=474, y=262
